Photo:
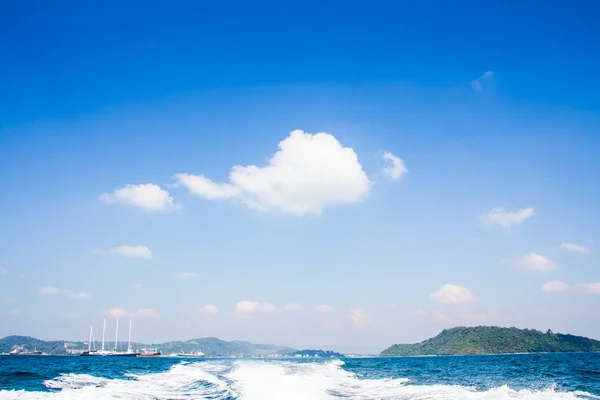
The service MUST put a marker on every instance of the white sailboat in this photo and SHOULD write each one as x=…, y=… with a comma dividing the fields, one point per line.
x=108, y=353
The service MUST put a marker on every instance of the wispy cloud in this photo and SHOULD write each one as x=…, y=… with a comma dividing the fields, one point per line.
x=394, y=167
x=133, y=251
x=115, y=312
x=590, y=288
x=359, y=317
x=293, y=307
x=504, y=218
x=148, y=197
x=186, y=275
x=555, y=286
x=323, y=308
x=452, y=294
x=48, y=290
x=478, y=84
x=77, y=295
x=254, y=307
x=532, y=261
x=209, y=309
x=577, y=248
x=145, y=313
x=307, y=174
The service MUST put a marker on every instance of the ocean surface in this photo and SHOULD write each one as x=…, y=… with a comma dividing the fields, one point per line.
x=525, y=376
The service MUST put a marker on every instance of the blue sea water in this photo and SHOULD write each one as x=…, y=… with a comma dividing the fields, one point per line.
x=524, y=376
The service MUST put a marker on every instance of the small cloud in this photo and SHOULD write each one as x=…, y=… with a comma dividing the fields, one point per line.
x=505, y=218
x=254, y=307
x=359, y=317
x=148, y=197
x=3, y=271
x=323, y=308
x=293, y=307
x=555, y=286
x=577, y=248
x=48, y=290
x=133, y=251
x=78, y=296
x=115, y=313
x=452, y=294
x=590, y=288
x=13, y=313
x=145, y=313
x=394, y=167
x=479, y=82
x=71, y=315
x=186, y=275
x=209, y=309
x=440, y=316
x=532, y=261
x=308, y=173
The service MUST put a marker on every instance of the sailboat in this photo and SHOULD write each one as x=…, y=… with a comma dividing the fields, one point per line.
x=109, y=353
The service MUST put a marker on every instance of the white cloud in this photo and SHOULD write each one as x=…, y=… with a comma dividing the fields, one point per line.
x=505, y=218
x=13, y=313
x=149, y=197
x=3, y=271
x=133, y=251
x=308, y=173
x=394, y=167
x=323, y=308
x=71, y=315
x=590, y=288
x=145, y=313
x=452, y=294
x=440, y=316
x=186, y=275
x=532, y=261
x=48, y=290
x=555, y=286
x=249, y=307
x=78, y=296
x=293, y=307
x=359, y=317
x=209, y=309
x=115, y=313
x=478, y=83
x=577, y=248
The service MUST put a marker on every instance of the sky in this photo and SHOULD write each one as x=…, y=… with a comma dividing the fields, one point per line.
x=318, y=175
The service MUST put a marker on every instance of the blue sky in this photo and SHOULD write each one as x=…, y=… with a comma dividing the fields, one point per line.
x=489, y=215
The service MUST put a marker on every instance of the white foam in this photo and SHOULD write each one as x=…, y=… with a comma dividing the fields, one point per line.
x=266, y=380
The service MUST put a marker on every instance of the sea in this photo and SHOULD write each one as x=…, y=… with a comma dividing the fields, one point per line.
x=518, y=376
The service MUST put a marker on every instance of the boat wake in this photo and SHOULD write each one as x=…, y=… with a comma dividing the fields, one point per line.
x=265, y=380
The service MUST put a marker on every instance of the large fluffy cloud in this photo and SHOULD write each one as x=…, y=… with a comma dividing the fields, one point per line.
x=308, y=173
x=532, y=261
x=505, y=218
x=452, y=294
x=149, y=197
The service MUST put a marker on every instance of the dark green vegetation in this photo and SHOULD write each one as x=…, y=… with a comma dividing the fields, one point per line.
x=211, y=347
x=494, y=340
x=317, y=353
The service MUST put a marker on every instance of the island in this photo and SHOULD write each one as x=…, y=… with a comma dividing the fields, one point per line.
x=494, y=340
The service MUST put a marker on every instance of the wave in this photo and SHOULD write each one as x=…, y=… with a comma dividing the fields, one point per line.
x=265, y=380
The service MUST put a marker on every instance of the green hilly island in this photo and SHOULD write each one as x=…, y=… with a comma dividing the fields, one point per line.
x=494, y=340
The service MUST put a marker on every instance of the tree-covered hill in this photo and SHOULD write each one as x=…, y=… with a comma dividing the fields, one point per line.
x=494, y=340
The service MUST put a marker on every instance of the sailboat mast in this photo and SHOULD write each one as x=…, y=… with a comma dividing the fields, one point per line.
x=129, y=342
x=117, y=335
x=90, y=341
x=103, y=331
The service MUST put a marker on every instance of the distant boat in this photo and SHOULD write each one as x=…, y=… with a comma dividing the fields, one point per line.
x=194, y=353
x=21, y=351
x=108, y=353
x=149, y=353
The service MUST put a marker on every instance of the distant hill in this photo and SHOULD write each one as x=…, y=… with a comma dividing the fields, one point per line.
x=211, y=347
x=494, y=340
x=316, y=353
